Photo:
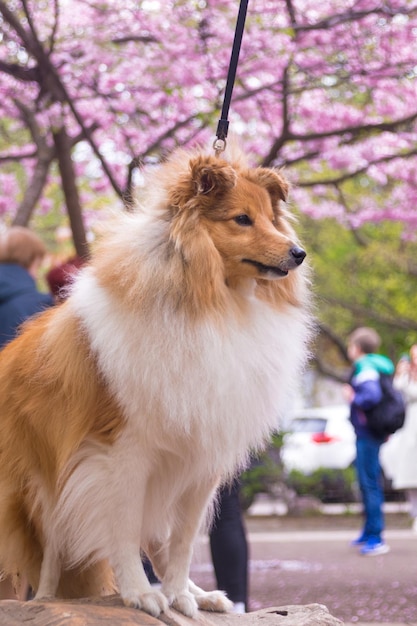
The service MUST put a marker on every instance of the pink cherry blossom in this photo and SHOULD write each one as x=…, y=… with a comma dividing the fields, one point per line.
x=326, y=89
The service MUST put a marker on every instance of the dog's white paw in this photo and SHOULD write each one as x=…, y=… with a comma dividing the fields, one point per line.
x=184, y=603
x=153, y=602
x=214, y=601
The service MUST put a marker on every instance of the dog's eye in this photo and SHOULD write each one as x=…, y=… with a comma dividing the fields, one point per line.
x=243, y=220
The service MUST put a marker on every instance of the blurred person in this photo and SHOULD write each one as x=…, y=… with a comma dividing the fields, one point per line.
x=404, y=455
x=363, y=393
x=60, y=277
x=21, y=255
x=229, y=547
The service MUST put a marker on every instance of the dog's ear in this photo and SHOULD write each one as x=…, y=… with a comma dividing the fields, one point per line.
x=273, y=182
x=211, y=176
x=205, y=176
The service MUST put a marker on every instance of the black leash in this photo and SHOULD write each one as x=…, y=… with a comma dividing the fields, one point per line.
x=223, y=126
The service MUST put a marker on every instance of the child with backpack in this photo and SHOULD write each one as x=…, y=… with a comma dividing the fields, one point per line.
x=364, y=394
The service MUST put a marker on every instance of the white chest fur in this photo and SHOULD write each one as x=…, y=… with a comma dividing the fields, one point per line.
x=226, y=385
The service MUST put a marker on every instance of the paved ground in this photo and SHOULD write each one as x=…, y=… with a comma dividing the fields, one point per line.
x=308, y=559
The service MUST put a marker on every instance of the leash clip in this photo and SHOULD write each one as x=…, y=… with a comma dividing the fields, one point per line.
x=219, y=145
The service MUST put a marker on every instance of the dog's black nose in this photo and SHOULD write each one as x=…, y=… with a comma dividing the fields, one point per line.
x=298, y=254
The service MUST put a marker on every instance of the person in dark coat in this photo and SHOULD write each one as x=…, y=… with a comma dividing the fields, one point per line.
x=21, y=254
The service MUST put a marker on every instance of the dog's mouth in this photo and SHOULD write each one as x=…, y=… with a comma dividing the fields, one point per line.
x=266, y=269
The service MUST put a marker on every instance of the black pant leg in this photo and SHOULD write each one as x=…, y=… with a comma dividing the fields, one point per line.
x=229, y=548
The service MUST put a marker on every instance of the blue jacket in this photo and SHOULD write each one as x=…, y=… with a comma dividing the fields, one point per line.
x=19, y=299
x=367, y=388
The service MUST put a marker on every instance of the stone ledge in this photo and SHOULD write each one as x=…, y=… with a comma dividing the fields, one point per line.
x=111, y=611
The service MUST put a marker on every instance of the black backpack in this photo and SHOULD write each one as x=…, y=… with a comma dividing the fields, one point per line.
x=386, y=417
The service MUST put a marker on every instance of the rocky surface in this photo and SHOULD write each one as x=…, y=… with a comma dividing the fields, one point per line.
x=110, y=611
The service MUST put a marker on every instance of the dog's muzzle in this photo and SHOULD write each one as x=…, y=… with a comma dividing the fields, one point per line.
x=296, y=256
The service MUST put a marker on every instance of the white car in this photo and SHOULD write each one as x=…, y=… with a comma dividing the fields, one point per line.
x=319, y=437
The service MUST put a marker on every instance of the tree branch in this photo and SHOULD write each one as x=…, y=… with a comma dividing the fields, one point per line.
x=335, y=339
x=18, y=156
x=351, y=16
x=362, y=170
x=362, y=311
x=33, y=190
x=357, y=235
x=50, y=84
x=285, y=131
x=355, y=133
x=358, y=131
x=25, y=74
x=136, y=38
x=329, y=371
x=45, y=155
x=66, y=169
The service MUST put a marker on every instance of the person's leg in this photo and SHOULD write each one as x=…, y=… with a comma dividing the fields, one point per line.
x=412, y=498
x=360, y=473
x=150, y=574
x=229, y=548
x=369, y=476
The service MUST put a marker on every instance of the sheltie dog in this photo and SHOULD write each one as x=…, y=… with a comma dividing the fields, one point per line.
x=125, y=407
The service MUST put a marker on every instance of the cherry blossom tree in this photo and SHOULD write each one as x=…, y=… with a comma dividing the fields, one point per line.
x=92, y=89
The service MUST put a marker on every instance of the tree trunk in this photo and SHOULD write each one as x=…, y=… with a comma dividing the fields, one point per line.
x=33, y=191
x=69, y=187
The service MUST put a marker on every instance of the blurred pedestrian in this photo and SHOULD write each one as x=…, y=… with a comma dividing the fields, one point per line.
x=363, y=393
x=60, y=277
x=404, y=454
x=21, y=255
x=229, y=547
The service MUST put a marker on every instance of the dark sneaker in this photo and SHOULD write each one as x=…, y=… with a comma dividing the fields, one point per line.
x=374, y=549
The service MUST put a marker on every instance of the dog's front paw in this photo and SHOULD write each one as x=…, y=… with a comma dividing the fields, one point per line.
x=184, y=603
x=153, y=602
x=214, y=601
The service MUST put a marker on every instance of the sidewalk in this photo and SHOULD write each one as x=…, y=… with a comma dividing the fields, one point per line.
x=333, y=526
x=266, y=506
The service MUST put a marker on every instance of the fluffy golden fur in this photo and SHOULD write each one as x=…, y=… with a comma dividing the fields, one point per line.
x=124, y=408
